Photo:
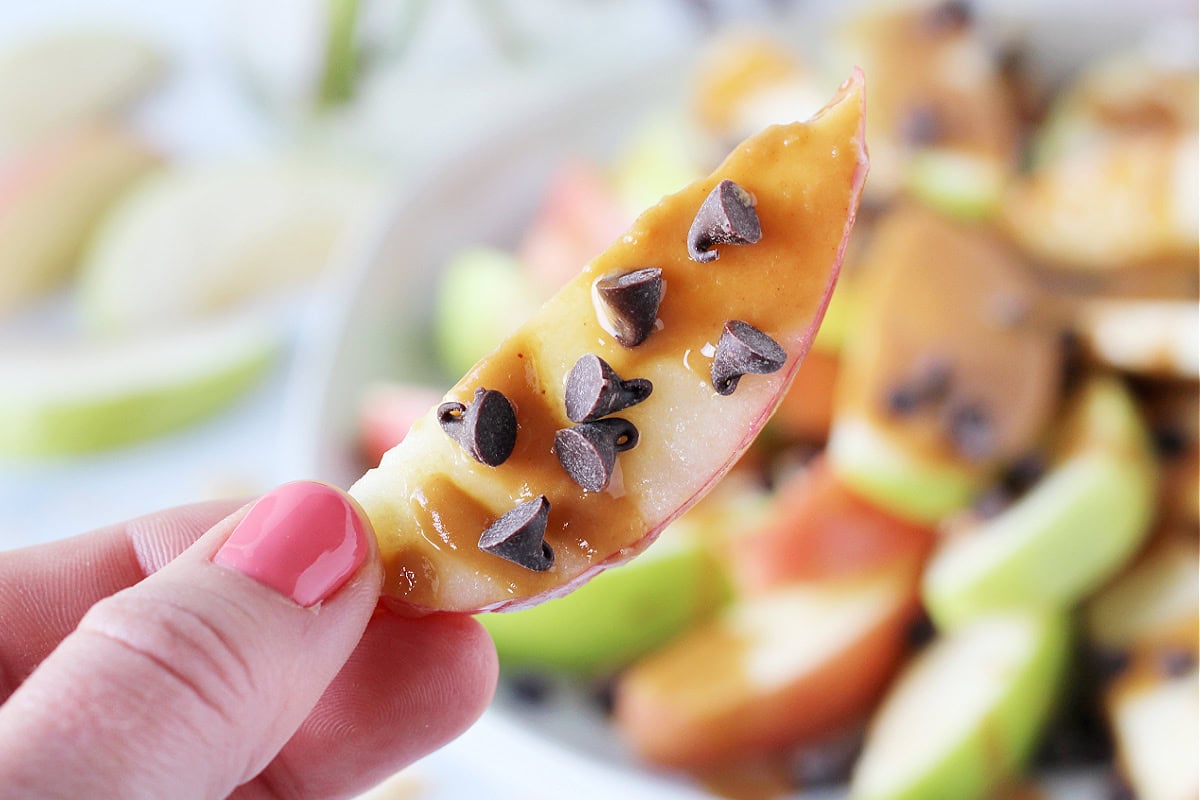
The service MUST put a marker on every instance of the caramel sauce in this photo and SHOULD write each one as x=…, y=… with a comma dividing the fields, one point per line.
x=430, y=502
x=942, y=293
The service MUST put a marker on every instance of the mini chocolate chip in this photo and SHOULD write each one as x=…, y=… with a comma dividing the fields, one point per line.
x=595, y=390
x=1109, y=662
x=951, y=15
x=519, y=536
x=920, y=632
x=529, y=688
x=743, y=349
x=486, y=429
x=971, y=430
x=1176, y=663
x=825, y=763
x=632, y=300
x=588, y=451
x=603, y=694
x=1023, y=474
x=903, y=400
x=727, y=216
x=991, y=502
x=1170, y=442
x=929, y=384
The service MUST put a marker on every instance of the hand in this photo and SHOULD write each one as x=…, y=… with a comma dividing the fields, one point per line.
x=207, y=648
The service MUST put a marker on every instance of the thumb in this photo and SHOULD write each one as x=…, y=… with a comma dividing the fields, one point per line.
x=197, y=676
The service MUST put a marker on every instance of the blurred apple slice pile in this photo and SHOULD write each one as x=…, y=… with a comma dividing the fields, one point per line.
x=171, y=273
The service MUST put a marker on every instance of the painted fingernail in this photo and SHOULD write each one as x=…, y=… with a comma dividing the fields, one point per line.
x=303, y=539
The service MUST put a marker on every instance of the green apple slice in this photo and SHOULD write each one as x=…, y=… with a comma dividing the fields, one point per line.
x=54, y=83
x=91, y=395
x=1069, y=533
x=962, y=185
x=620, y=615
x=964, y=716
x=203, y=238
x=51, y=199
x=1150, y=337
x=484, y=296
x=1150, y=600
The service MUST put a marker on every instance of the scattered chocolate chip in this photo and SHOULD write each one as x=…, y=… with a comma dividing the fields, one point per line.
x=529, y=688
x=991, y=502
x=486, y=429
x=1110, y=662
x=827, y=762
x=727, y=216
x=1170, y=442
x=971, y=430
x=921, y=126
x=519, y=536
x=603, y=694
x=595, y=390
x=743, y=349
x=929, y=384
x=920, y=631
x=1023, y=474
x=1176, y=663
x=588, y=451
x=1075, y=737
x=632, y=300
x=951, y=15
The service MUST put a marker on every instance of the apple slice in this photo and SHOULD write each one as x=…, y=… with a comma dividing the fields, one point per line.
x=484, y=295
x=90, y=395
x=936, y=87
x=1155, y=726
x=621, y=614
x=51, y=199
x=430, y=500
x=951, y=370
x=1121, y=202
x=1151, y=600
x=1148, y=337
x=963, y=717
x=1066, y=535
x=778, y=669
x=817, y=529
x=203, y=238
x=56, y=83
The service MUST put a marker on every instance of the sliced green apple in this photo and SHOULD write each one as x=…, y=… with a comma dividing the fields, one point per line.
x=950, y=371
x=51, y=199
x=964, y=716
x=936, y=84
x=1147, y=337
x=202, y=238
x=1069, y=533
x=960, y=184
x=58, y=82
x=1121, y=202
x=1149, y=601
x=430, y=500
x=621, y=614
x=484, y=296
x=781, y=668
x=95, y=394
x=1155, y=724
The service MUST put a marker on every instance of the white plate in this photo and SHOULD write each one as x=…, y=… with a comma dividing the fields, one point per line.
x=374, y=328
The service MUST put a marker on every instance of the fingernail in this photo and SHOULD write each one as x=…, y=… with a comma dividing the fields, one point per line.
x=303, y=539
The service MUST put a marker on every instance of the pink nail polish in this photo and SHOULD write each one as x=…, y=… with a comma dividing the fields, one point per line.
x=303, y=539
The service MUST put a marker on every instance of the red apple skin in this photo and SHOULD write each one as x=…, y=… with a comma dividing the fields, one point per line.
x=818, y=528
x=664, y=713
x=386, y=414
x=581, y=214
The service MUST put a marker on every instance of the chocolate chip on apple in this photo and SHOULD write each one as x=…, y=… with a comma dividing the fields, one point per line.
x=632, y=301
x=1176, y=662
x=588, y=451
x=486, y=429
x=971, y=430
x=741, y=350
x=519, y=536
x=727, y=216
x=595, y=390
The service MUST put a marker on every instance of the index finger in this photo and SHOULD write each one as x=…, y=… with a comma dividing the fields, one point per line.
x=46, y=589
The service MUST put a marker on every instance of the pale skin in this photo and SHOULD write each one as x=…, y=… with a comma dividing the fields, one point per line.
x=132, y=665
